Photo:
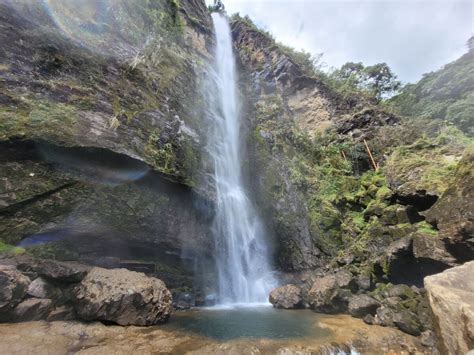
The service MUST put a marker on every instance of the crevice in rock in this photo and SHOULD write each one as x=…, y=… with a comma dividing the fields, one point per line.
x=421, y=202
x=12, y=209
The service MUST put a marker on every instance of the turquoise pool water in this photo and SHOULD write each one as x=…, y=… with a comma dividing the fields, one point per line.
x=248, y=322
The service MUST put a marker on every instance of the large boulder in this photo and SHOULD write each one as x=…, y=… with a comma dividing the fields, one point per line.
x=326, y=296
x=287, y=297
x=451, y=297
x=13, y=287
x=123, y=297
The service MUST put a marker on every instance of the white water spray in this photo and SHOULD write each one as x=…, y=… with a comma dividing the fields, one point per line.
x=244, y=274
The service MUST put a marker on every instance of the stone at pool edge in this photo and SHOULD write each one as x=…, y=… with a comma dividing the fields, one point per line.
x=123, y=297
x=36, y=289
x=286, y=297
x=451, y=298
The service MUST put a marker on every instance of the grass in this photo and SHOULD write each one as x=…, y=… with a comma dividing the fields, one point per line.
x=11, y=249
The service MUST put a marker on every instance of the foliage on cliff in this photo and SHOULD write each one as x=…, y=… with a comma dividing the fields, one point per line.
x=446, y=94
x=320, y=186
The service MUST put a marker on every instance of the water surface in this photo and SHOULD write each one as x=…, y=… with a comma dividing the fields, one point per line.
x=248, y=322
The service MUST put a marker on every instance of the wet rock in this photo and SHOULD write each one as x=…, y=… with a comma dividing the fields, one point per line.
x=13, y=287
x=122, y=296
x=361, y=305
x=286, y=297
x=31, y=309
x=325, y=296
x=451, y=298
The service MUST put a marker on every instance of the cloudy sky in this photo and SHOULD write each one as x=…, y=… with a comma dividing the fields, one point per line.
x=412, y=36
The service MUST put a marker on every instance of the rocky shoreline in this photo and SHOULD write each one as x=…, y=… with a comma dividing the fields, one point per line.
x=37, y=289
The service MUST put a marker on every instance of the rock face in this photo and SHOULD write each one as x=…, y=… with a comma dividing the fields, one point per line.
x=451, y=296
x=453, y=213
x=287, y=297
x=124, y=297
x=100, y=144
x=410, y=259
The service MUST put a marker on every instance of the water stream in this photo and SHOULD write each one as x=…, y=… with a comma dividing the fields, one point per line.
x=244, y=272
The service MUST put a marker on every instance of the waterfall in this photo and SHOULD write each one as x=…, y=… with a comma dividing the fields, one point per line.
x=242, y=261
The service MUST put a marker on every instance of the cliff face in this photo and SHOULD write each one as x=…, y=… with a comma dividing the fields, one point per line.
x=309, y=150
x=287, y=109
x=107, y=75
x=94, y=96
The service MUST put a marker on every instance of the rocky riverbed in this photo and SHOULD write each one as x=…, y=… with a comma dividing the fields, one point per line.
x=344, y=333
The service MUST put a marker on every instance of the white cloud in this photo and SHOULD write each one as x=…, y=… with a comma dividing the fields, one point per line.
x=412, y=36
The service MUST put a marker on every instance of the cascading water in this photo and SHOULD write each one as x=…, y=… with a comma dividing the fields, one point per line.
x=244, y=274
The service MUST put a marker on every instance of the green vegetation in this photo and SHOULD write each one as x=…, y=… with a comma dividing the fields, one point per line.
x=374, y=82
x=445, y=94
x=351, y=213
x=10, y=249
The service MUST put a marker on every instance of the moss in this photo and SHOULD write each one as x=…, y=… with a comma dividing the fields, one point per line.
x=426, y=228
x=162, y=157
x=10, y=249
x=429, y=163
x=37, y=118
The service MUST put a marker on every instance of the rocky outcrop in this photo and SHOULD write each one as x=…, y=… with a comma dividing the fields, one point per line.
x=106, y=85
x=420, y=173
x=410, y=259
x=451, y=296
x=32, y=289
x=364, y=124
x=453, y=213
x=286, y=297
x=123, y=297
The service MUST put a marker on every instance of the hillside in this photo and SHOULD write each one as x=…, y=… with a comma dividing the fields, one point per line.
x=445, y=94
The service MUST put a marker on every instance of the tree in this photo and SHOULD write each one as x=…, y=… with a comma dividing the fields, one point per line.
x=380, y=80
x=376, y=80
x=351, y=70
